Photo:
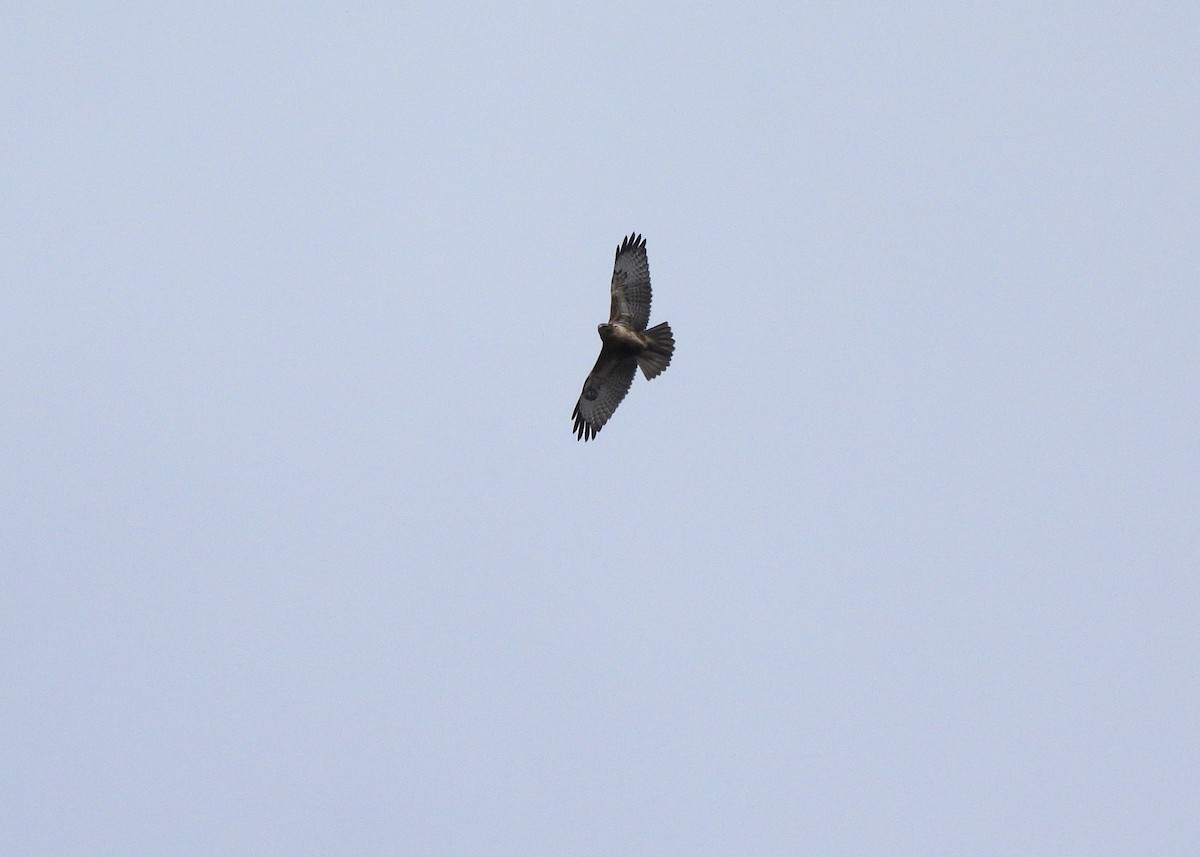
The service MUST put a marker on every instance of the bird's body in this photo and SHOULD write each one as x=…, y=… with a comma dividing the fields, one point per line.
x=626, y=343
x=622, y=337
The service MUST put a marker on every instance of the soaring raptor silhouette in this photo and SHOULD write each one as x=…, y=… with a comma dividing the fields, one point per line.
x=626, y=342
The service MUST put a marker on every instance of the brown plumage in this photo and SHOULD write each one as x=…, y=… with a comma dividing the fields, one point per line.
x=627, y=344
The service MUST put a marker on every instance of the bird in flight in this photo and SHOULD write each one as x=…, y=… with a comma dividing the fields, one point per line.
x=626, y=344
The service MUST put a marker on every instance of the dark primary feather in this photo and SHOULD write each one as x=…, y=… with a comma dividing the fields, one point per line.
x=631, y=284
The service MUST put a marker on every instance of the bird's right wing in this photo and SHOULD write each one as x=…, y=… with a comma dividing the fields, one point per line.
x=603, y=390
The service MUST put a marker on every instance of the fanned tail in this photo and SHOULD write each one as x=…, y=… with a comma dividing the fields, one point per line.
x=657, y=356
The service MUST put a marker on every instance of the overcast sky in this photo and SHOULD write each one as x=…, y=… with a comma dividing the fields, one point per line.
x=301, y=557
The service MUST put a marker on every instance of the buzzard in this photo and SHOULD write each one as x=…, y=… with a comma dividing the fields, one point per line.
x=626, y=342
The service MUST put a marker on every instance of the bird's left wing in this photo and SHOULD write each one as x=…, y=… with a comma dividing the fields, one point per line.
x=631, y=284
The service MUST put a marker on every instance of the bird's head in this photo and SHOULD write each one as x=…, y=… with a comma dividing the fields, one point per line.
x=604, y=329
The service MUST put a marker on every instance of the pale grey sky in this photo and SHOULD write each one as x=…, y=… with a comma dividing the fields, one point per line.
x=301, y=556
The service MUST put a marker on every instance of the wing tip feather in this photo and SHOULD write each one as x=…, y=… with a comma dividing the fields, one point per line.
x=633, y=241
